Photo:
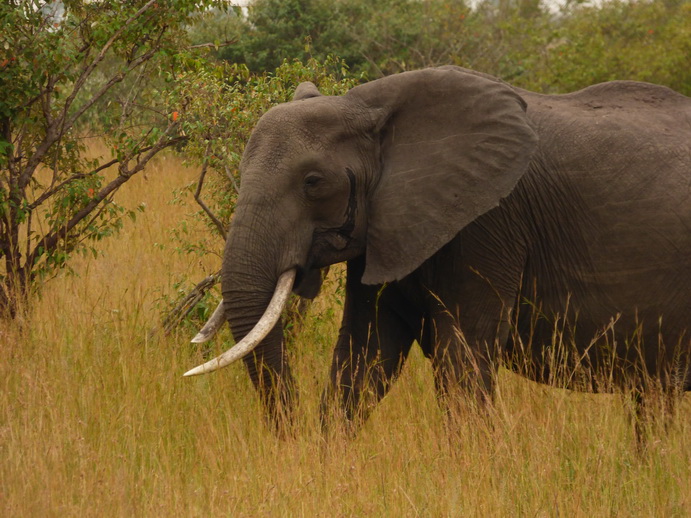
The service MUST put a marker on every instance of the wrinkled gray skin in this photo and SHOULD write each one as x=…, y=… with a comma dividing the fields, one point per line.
x=460, y=204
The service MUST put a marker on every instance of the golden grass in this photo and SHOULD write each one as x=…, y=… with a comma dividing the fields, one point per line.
x=96, y=420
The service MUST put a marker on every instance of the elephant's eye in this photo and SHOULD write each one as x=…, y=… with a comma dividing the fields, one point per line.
x=312, y=180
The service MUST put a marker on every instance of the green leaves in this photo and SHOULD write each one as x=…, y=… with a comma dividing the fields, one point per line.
x=527, y=42
x=646, y=41
x=95, y=71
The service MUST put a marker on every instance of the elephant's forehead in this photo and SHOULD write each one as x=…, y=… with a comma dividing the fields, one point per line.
x=288, y=131
x=316, y=118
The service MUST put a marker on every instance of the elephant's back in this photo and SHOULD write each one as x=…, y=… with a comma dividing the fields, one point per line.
x=628, y=117
x=625, y=97
x=621, y=143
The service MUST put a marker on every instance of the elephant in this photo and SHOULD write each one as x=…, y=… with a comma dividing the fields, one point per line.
x=475, y=218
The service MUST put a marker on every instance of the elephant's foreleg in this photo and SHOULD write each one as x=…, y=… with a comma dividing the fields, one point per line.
x=374, y=341
x=270, y=374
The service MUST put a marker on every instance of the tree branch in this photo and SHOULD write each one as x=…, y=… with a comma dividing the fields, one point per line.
x=221, y=229
x=81, y=176
x=227, y=43
x=232, y=180
x=187, y=304
x=50, y=241
x=113, y=81
x=62, y=123
x=101, y=55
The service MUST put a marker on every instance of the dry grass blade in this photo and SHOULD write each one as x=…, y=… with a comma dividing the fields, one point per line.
x=95, y=420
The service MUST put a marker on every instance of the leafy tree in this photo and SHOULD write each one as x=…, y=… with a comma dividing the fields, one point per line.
x=637, y=40
x=518, y=40
x=274, y=31
x=96, y=68
x=373, y=38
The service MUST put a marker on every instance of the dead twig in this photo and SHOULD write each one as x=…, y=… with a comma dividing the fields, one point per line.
x=186, y=305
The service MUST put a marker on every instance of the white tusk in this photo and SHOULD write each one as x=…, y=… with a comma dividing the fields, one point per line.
x=258, y=333
x=211, y=327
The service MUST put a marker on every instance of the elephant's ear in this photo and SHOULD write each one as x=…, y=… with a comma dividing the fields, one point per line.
x=453, y=144
x=306, y=90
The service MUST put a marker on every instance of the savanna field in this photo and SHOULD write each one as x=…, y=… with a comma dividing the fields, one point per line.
x=97, y=420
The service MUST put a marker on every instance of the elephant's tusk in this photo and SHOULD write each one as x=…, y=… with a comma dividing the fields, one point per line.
x=212, y=326
x=258, y=333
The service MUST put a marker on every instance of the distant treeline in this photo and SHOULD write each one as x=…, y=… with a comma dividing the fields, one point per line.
x=521, y=41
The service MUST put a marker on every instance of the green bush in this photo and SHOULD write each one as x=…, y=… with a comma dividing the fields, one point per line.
x=520, y=41
x=638, y=40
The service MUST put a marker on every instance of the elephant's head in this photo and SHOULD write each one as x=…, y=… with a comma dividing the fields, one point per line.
x=393, y=170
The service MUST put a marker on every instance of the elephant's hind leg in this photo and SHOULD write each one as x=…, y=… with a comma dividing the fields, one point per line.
x=652, y=409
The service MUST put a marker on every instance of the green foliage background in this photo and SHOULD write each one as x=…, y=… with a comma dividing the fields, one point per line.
x=521, y=41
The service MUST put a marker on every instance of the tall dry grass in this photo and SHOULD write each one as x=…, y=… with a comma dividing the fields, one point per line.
x=96, y=419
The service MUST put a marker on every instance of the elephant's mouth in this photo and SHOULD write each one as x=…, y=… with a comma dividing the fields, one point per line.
x=308, y=282
x=334, y=245
x=329, y=246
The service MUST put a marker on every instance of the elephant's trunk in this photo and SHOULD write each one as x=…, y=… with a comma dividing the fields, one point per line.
x=257, y=278
x=263, y=327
